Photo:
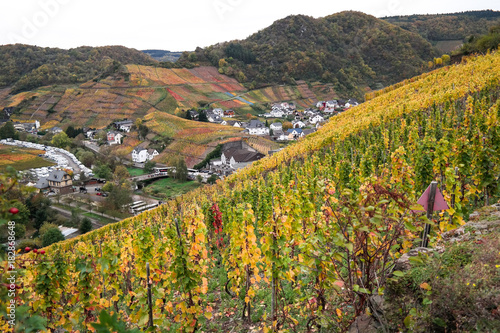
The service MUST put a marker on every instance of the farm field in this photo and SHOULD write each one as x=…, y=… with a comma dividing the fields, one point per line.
x=21, y=158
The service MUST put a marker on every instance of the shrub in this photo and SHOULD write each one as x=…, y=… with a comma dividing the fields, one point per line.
x=31, y=243
x=52, y=236
x=46, y=227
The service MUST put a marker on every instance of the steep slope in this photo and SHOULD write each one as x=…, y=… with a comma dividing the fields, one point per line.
x=444, y=27
x=301, y=239
x=351, y=50
x=26, y=67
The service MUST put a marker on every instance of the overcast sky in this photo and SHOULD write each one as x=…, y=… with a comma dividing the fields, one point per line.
x=181, y=25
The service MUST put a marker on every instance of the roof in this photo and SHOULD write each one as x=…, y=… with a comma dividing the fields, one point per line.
x=137, y=150
x=255, y=124
x=123, y=122
x=291, y=130
x=277, y=124
x=42, y=183
x=152, y=151
x=67, y=231
x=242, y=155
x=309, y=131
x=56, y=175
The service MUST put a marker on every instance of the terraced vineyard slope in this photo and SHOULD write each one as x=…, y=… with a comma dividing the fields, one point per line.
x=302, y=238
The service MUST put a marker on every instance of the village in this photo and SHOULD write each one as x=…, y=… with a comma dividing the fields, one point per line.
x=283, y=123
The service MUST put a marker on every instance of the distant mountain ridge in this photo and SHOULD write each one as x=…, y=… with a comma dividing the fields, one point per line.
x=26, y=67
x=350, y=50
x=451, y=26
x=163, y=55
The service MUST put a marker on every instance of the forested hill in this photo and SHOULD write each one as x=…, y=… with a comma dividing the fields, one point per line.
x=352, y=50
x=456, y=26
x=26, y=67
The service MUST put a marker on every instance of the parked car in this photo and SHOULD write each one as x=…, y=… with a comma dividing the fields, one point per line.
x=104, y=194
x=98, y=193
x=96, y=189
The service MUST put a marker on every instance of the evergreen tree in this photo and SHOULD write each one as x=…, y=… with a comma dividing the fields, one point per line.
x=8, y=131
x=85, y=226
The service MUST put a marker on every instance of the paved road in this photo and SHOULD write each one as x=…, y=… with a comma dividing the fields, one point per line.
x=72, y=164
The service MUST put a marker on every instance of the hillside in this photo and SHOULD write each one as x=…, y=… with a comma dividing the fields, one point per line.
x=162, y=55
x=27, y=67
x=448, y=31
x=350, y=50
x=300, y=240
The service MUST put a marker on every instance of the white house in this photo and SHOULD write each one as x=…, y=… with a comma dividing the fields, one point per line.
x=141, y=155
x=294, y=133
x=320, y=104
x=152, y=153
x=332, y=104
x=114, y=138
x=316, y=119
x=351, y=102
x=298, y=124
x=256, y=127
x=276, y=126
x=55, y=130
x=218, y=111
x=277, y=113
x=124, y=125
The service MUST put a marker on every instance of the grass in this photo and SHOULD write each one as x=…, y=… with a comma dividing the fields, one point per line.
x=100, y=218
x=135, y=171
x=168, y=188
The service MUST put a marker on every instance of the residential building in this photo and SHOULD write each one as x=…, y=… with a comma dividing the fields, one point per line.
x=276, y=126
x=218, y=112
x=229, y=113
x=194, y=115
x=294, y=133
x=316, y=119
x=60, y=182
x=142, y=155
x=239, y=158
x=114, y=138
x=298, y=124
x=256, y=127
x=55, y=130
x=124, y=125
x=233, y=123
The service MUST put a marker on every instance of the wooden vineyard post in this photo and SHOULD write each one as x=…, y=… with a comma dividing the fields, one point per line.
x=430, y=209
x=150, y=299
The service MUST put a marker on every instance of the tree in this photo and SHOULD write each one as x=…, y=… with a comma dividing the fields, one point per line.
x=149, y=166
x=85, y=226
x=61, y=140
x=143, y=131
x=121, y=173
x=52, y=236
x=181, y=171
x=8, y=131
x=102, y=171
x=119, y=196
x=40, y=211
x=46, y=227
x=212, y=179
x=203, y=116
